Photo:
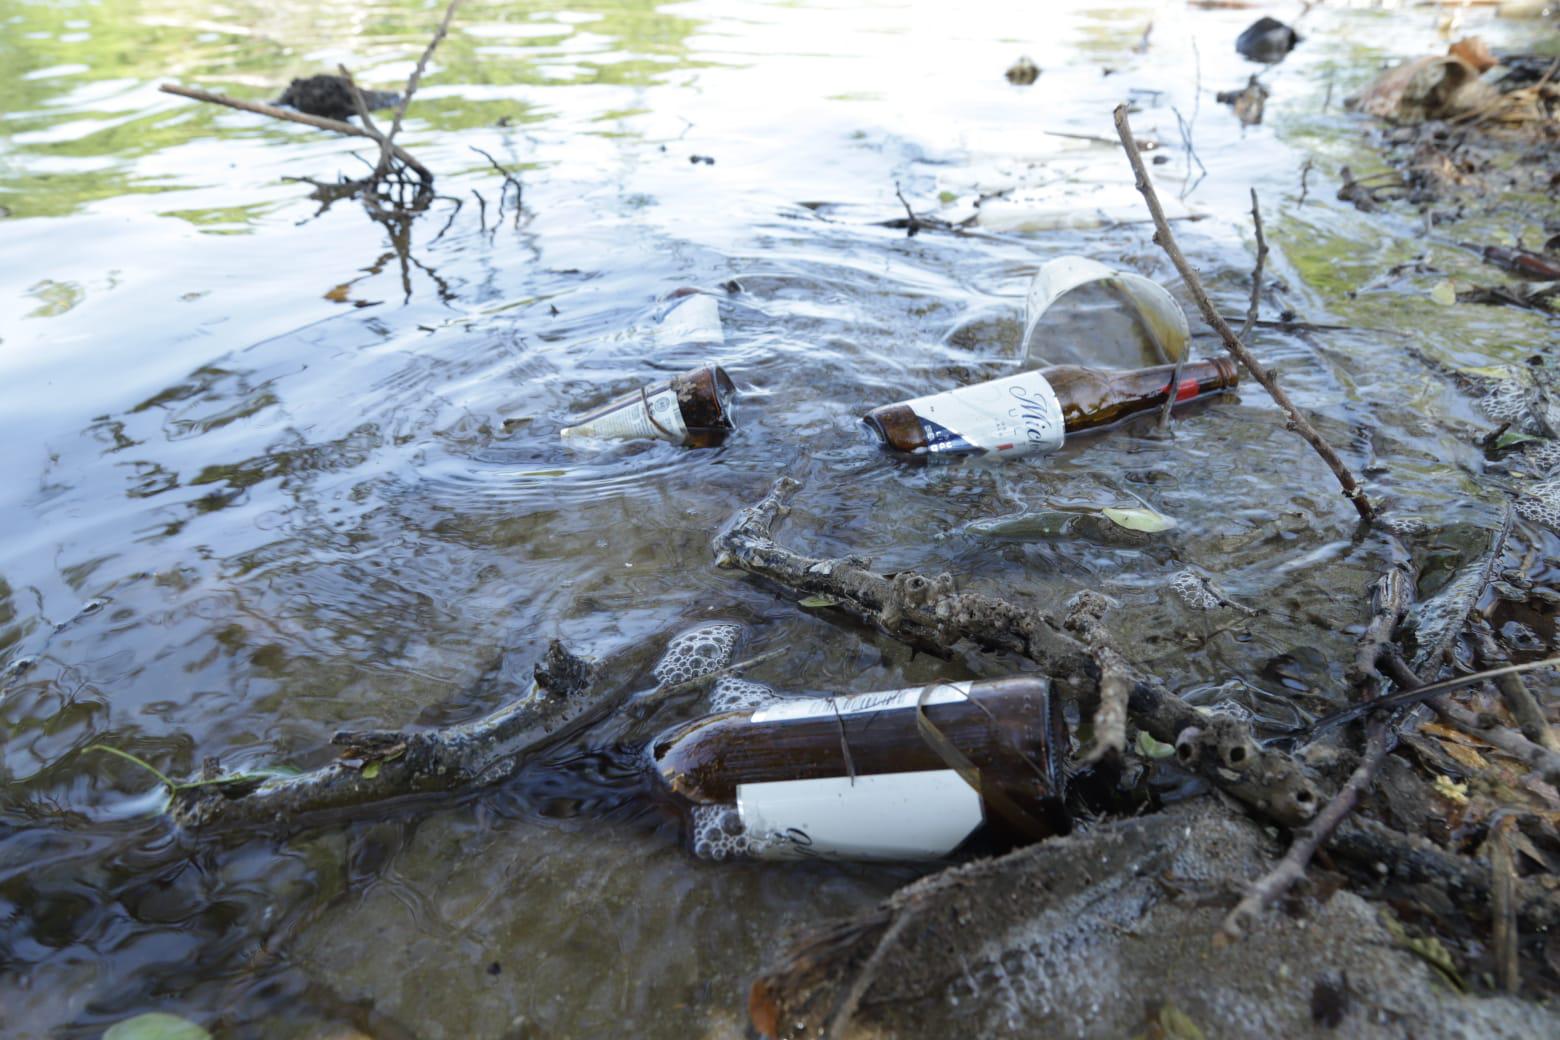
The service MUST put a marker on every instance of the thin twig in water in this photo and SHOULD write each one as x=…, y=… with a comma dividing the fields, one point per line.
x=1305, y=175
x=453, y=214
x=915, y=222
x=287, y=115
x=481, y=210
x=1256, y=274
x=1166, y=241
x=1187, y=184
x=510, y=181
x=851, y=998
x=641, y=705
x=412, y=82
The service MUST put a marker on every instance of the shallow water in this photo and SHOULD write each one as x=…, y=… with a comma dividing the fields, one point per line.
x=265, y=477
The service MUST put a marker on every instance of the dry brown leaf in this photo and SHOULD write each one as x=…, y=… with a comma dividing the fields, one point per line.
x=1447, y=734
x=1466, y=757
x=1434, y=87
x=1475, y=52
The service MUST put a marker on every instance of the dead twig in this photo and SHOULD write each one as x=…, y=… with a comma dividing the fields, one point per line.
x=1390, y=599
x=287, y=115
x=1519, y=699
x=1503, y=904
x=851, y=998
x=1256, y=274
x=1307, y=841
x=1297, y=420
x=1086, y=618
x=380, y=765
x=387, y=145
x=510, y=181
x=1534, y=756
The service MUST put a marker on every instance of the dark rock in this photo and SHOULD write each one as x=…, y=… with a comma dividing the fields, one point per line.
x=1266, y=40
x=1023, y=72
x=329, y=96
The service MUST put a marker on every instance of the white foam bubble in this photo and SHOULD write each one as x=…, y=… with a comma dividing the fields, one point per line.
x=698, y=651
x=733, y=694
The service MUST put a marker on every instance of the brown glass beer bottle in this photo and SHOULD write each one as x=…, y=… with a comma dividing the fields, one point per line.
x=864, y=777
x=1032, y=412
x=692, y=409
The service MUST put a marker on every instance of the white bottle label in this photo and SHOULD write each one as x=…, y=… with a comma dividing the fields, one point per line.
x=859, y=703
x=628, y=418
x=896, y=816
x=1018, y=415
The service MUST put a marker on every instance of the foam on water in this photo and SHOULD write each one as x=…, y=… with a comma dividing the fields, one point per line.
x=697, y=652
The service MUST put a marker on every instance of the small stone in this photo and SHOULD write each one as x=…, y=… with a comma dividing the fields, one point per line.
x=1023, y=72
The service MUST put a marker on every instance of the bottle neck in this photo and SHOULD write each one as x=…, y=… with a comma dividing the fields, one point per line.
x=1092, y=398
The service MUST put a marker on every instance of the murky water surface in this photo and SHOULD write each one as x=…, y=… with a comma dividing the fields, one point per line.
x=266, y=475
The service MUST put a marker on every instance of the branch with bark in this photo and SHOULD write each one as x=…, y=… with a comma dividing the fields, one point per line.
x=1166, y=241
x=382, y=765
x=393, y=159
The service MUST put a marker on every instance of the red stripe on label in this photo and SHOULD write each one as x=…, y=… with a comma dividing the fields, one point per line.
x=1187, y=391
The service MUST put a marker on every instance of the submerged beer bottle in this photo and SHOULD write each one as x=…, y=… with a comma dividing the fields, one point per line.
x=1032, y=412
x=692, y=409
x=867, y=777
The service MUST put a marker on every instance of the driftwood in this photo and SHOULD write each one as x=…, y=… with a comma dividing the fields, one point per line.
x=378, y=766
x=931, y=614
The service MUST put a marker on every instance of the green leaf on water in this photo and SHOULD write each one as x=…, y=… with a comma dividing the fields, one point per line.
x=1511, y=437
x=1444, y=293
x=1148, y=747
x=819, y=601
x=156, y=1025
x=370, y=771
x=946, y=197
x=1138, y=519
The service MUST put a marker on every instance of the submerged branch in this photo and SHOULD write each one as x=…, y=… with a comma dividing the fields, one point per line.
x=381, y=765
x=931, y=614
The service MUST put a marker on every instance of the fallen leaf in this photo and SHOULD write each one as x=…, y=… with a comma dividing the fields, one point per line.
x=1138, y=519
x=1475, y=52
x=156, y=1025
x=1444, y=293
x=370, y=771
x=816, y=602
x=1148, y=747
x=1511, y=437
